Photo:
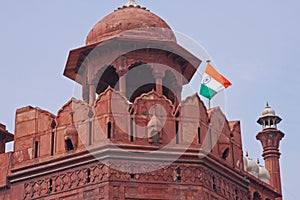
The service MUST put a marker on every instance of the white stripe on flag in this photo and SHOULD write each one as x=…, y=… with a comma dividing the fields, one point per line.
x=212, y=83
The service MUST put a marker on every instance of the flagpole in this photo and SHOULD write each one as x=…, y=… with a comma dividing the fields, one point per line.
x=208, y=61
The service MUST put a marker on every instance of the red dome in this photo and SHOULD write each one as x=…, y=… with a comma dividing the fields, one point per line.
x=134, y=21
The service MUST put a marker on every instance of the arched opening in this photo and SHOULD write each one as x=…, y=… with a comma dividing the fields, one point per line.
x=178, y=173
x=132, y=176
x=131, y=130
x=199, y=135
x=53, y=125
x=69, y=145
x=267, y=123
x=139, y=80
x=256, y=196
x=177, y=131
x=225, y=154
x=36, y=149
x=88, y=180
x=271, y=123
x=107, y=76
x=52, y=143
x=109, y=130
x=50, y=189
x=90, y=132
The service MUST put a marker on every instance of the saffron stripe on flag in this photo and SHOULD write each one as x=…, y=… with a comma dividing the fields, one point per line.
x=217, y=76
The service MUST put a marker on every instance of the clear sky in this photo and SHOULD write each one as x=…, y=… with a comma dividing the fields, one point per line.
x=254, y=43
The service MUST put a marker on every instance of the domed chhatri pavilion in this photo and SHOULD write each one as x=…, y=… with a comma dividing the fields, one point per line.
x=132, y=136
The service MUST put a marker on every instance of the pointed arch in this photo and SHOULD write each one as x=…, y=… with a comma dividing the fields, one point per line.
x=139, y=80
x=106, y=76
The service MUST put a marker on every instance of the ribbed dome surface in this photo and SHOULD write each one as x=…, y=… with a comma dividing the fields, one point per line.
x=139, y=21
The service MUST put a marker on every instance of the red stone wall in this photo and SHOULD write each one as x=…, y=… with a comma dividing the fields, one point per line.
x=31, y=177
x=4, y=164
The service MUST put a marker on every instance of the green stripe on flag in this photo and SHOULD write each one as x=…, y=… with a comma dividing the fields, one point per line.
x=207, y=92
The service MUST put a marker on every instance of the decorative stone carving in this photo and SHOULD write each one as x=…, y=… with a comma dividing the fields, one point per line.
x=187, y=175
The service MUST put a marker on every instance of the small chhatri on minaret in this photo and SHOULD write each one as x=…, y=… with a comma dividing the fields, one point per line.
x=269, y=118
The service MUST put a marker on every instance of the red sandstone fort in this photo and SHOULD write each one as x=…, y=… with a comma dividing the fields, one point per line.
x=132, y=136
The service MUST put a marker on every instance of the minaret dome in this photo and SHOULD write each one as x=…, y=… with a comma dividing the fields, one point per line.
x=269, y=118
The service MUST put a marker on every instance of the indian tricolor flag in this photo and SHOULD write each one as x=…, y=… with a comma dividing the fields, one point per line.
x=212, y=82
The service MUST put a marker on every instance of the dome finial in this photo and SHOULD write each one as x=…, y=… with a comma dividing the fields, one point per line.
x=131, y=3
x=267, y=104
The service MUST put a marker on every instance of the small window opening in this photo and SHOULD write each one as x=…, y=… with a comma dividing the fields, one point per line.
x=177, y=131
x=178, y=172
x=90, y=132
x=52, y=143
x=131, y=176
x=267, y=123
x=36, y=149
x=88, y=176
x=50, y=189
x=131, y=130
x=225, y=154
x=109, y=130
x=69, y=145
x=199, y=135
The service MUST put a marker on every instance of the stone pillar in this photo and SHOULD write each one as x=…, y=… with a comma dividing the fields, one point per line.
x=121, y=64
x=158, y=76
x=178, y=95
x=158, y=82
x=92, y=94
x=179, y=78
x=85, y=93
x=122, y=83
